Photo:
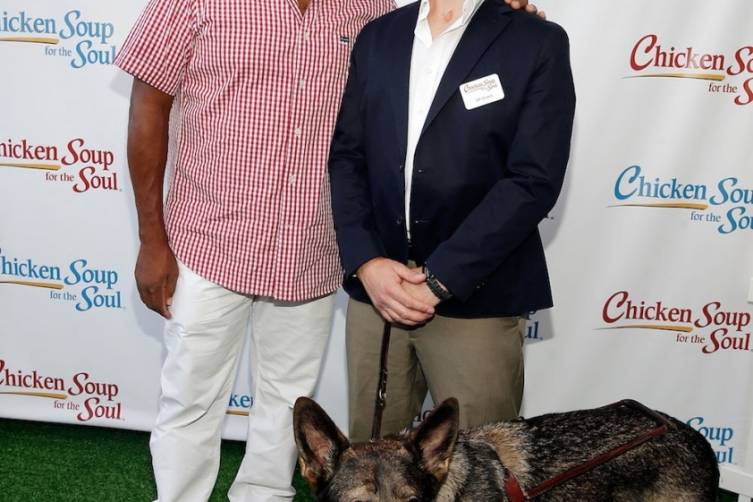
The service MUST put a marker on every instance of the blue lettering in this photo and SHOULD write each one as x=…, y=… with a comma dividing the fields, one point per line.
x=618, y=193
x=79, y=273
x=70, y=29
x=86, y=29
x=90, y=298
x=75, y=276
x=85, y=55
x=723, y=191
x=737, y=219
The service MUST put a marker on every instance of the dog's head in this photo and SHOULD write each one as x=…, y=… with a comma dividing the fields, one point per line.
x=409, y=467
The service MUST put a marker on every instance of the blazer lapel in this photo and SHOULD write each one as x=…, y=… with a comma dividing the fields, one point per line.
x=400, y=73
x=487, y=24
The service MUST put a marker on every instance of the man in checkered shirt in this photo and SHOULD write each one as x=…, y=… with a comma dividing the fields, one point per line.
x=245, y=237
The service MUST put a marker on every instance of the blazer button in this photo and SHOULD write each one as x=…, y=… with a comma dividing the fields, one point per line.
x=401, y=167
x=399, y=221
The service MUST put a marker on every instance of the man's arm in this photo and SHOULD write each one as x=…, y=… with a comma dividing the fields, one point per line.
x=515, y=205
x=156, y=268
x=361, y=248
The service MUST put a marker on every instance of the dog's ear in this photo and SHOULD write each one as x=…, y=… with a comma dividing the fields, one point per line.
x=435, y=438
x=319, y=442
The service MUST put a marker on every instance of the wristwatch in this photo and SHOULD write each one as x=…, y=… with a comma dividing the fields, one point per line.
x=436, y=288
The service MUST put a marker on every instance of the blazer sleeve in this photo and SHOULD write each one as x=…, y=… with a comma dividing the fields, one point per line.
x=535, y=170
x=352, y=210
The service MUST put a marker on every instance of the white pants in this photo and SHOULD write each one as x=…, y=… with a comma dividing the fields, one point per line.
x=204, y=340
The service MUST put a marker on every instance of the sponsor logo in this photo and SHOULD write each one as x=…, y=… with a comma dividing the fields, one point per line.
x=77, y=164
x=713, y=328
x=653, y=57
x=74, y=36
x=79, y=282
x=718, y=436
x=726, y=204
x=240, y=404
x=80, y=394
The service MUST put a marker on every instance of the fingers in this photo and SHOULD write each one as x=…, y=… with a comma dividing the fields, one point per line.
x=398, y=294
x=406, y=315
x=412, y=275
x=387, y=315
x=529, y=7
x=164, y=310
x=152, y=299
x=392, y=305
x=155, y=297
x=394, y=316
x=170, y=284
x=395, y=312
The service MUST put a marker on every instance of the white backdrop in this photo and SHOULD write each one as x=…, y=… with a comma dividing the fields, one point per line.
x=650, y=246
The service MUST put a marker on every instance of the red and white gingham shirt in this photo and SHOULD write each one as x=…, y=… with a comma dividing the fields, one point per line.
x=259, y=87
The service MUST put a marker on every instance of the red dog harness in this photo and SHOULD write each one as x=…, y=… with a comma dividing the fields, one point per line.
x=516, y=493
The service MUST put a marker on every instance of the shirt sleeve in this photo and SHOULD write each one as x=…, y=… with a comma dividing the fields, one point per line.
x=160, y=45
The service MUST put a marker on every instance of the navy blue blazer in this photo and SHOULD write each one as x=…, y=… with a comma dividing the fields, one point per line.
x=483, y=179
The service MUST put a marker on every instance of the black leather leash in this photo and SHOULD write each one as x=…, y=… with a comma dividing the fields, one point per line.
x=381, y=393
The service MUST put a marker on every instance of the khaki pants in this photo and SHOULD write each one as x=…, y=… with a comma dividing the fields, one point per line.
x=477, y=361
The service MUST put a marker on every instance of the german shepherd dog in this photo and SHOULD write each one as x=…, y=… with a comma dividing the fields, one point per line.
x=438, y=462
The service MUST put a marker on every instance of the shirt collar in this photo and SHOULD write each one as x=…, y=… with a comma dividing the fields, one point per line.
x=423, y=31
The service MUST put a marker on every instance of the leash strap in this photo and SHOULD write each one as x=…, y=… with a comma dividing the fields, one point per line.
x=381, y=393
x=516, y=493
x=512, y=488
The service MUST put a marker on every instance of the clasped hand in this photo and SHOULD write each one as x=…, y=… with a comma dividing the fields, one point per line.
x=398, y=292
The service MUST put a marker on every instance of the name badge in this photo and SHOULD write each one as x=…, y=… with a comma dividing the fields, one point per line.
x=482, y=91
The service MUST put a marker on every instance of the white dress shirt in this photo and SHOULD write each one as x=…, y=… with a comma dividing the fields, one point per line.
x=428, y=64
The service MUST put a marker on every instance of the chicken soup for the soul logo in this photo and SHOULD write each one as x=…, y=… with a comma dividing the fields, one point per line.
x=76, y=163
x=74, y=36
x=80, y=394
x=719, y=436
x=86, y=286
x=730, y=73
x=726, y=204
x=713, y=327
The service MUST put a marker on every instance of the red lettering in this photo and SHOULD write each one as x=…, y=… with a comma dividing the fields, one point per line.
x=617, y=300
x=646, y=45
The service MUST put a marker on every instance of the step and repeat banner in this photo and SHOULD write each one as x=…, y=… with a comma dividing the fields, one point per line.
x=650, y=245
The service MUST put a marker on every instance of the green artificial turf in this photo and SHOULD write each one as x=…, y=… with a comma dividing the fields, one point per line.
x=41, y=462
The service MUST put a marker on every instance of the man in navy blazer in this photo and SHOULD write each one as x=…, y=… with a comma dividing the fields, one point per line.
x=487, y=159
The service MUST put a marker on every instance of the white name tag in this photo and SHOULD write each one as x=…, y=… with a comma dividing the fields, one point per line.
x=482, y=91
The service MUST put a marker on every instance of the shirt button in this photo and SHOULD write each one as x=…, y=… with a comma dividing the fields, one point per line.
x=302, y=83
x=297, y=132
x=291, y=179
x=305, y=35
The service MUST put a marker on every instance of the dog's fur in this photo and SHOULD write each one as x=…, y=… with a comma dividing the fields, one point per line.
x=438, y=462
